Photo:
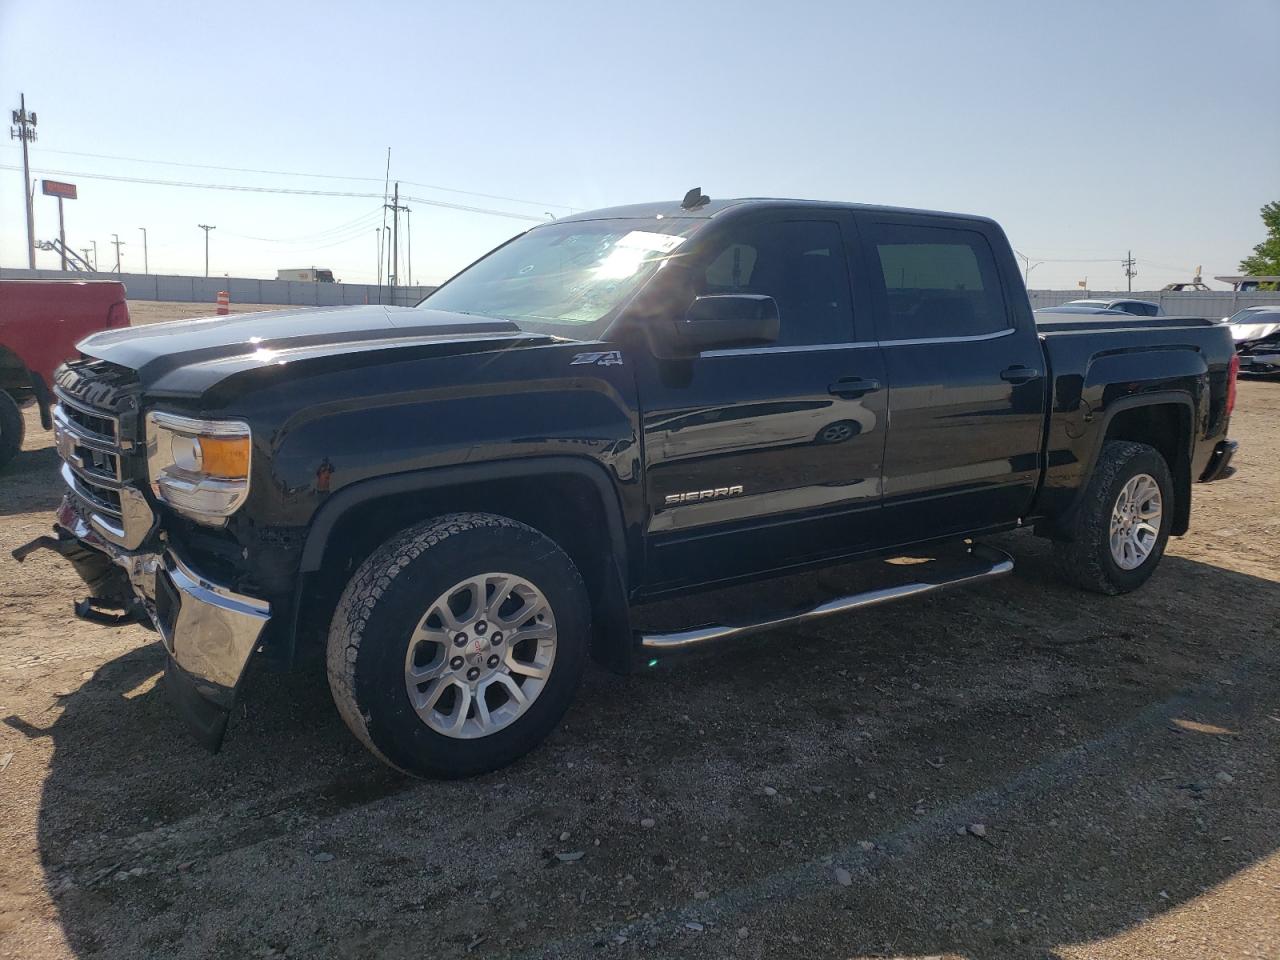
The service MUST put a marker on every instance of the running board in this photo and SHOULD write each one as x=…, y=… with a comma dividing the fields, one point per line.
x=988, y=563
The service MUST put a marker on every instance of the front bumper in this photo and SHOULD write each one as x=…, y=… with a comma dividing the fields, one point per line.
x=1260, y=361
x=208, y=630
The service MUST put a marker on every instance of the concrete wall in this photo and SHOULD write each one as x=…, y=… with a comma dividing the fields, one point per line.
x=154, y=286
x=1215, y=303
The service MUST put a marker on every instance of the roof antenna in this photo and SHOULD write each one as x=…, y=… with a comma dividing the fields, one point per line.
x=694, y=199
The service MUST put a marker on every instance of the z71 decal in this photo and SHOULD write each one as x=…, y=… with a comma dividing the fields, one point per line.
x=605, y=358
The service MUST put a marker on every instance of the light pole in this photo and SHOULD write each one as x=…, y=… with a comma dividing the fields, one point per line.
x=1027, y=267
x=146, y=267
x=206, y=228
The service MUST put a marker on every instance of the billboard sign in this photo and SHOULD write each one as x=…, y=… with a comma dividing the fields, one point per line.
x=56, y=188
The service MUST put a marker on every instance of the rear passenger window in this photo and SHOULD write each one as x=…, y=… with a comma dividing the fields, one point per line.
x=938, y=283
x=801, y=264
x=1139, y=309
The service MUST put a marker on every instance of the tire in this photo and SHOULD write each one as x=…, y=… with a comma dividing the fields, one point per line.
x=838, y=432
x=1087, y=558
x=12, y=428
x=387, y=623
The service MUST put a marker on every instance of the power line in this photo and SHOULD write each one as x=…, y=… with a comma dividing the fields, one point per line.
x=329, y=233
x=317, y=176
x=1075, y=260
x=290, y=191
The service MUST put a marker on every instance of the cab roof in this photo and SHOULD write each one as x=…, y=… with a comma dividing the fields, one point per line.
x=671, y=209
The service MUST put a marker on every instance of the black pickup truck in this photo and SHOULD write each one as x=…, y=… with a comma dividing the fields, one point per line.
x=458, y=503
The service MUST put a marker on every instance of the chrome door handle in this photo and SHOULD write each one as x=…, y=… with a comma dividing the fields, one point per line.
x=850, y=388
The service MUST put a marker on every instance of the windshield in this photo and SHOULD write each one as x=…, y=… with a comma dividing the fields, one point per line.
x=566, y=274
x=1254, y=315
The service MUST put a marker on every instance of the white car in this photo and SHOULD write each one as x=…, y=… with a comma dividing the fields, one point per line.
x=1254, y=323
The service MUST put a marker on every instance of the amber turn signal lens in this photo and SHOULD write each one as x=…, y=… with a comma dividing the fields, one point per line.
x=225, y=456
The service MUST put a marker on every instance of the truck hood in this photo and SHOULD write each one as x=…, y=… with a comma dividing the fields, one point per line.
x=187, y=357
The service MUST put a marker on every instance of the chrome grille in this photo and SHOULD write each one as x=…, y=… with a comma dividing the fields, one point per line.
x=99, y=498
x=94, y=424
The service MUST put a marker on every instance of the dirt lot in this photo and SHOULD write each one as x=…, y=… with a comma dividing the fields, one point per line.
x=1019, y=770
x=148, y=311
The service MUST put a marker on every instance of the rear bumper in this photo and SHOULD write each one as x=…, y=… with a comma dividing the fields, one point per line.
x=1219, y=467
x=209, y=630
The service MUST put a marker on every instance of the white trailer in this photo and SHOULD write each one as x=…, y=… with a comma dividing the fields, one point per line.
x=306, y=275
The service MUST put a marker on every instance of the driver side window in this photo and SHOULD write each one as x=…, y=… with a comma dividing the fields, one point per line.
x=801, y=264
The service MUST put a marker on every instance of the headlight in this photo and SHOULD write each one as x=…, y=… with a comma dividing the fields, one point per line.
x=198, y=467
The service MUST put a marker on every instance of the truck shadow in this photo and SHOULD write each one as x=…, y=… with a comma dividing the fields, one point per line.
x=1122, y=756
x=31, y=481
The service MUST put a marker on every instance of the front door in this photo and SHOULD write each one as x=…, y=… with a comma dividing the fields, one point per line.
x=759, y=458
x=965, y=373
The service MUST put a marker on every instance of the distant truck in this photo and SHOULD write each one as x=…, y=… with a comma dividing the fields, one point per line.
x=41, y=321
x=307, y=275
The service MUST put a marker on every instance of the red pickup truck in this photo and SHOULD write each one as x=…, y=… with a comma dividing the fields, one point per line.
x=41, y=321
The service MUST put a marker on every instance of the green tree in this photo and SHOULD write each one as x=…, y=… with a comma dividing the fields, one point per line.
x=1265, y=261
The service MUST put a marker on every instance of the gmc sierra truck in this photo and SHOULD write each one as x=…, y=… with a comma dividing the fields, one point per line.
x=457, y=503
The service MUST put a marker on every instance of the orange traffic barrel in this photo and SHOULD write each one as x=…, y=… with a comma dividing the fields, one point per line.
x=224, y=303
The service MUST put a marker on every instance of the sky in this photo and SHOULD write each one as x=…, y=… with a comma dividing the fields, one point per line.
x=1086, y=129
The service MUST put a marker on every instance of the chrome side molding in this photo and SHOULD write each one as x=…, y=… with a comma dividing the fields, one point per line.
x=989, y=563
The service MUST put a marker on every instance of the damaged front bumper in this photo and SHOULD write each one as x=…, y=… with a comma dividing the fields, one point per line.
x=208, y=630
x=1260, y=360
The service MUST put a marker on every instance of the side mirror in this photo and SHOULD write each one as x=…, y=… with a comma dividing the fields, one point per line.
x=729, y=320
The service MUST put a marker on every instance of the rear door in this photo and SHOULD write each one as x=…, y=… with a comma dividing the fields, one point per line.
x=761, y=457
x=965, y=371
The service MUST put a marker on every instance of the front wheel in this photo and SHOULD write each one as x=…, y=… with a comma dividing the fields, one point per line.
x=459, y=644
x=1121, y=527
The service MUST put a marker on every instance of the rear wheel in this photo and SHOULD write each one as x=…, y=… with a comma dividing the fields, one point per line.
x=12, y=428
x=459, y=644
x=1121, y=527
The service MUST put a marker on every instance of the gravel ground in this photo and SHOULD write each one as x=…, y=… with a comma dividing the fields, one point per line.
x=152, y=311
x=1016, y=770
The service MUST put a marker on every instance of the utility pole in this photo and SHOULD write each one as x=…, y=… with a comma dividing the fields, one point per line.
x=395, y=236
x=1129, y=272
x=386, y=253
x=85, y=251
x=95, y=255
x=146, y=266
x=408, y=234
x=206, y=228
x=24, y=129
x=393, y=270
x=115, y=238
